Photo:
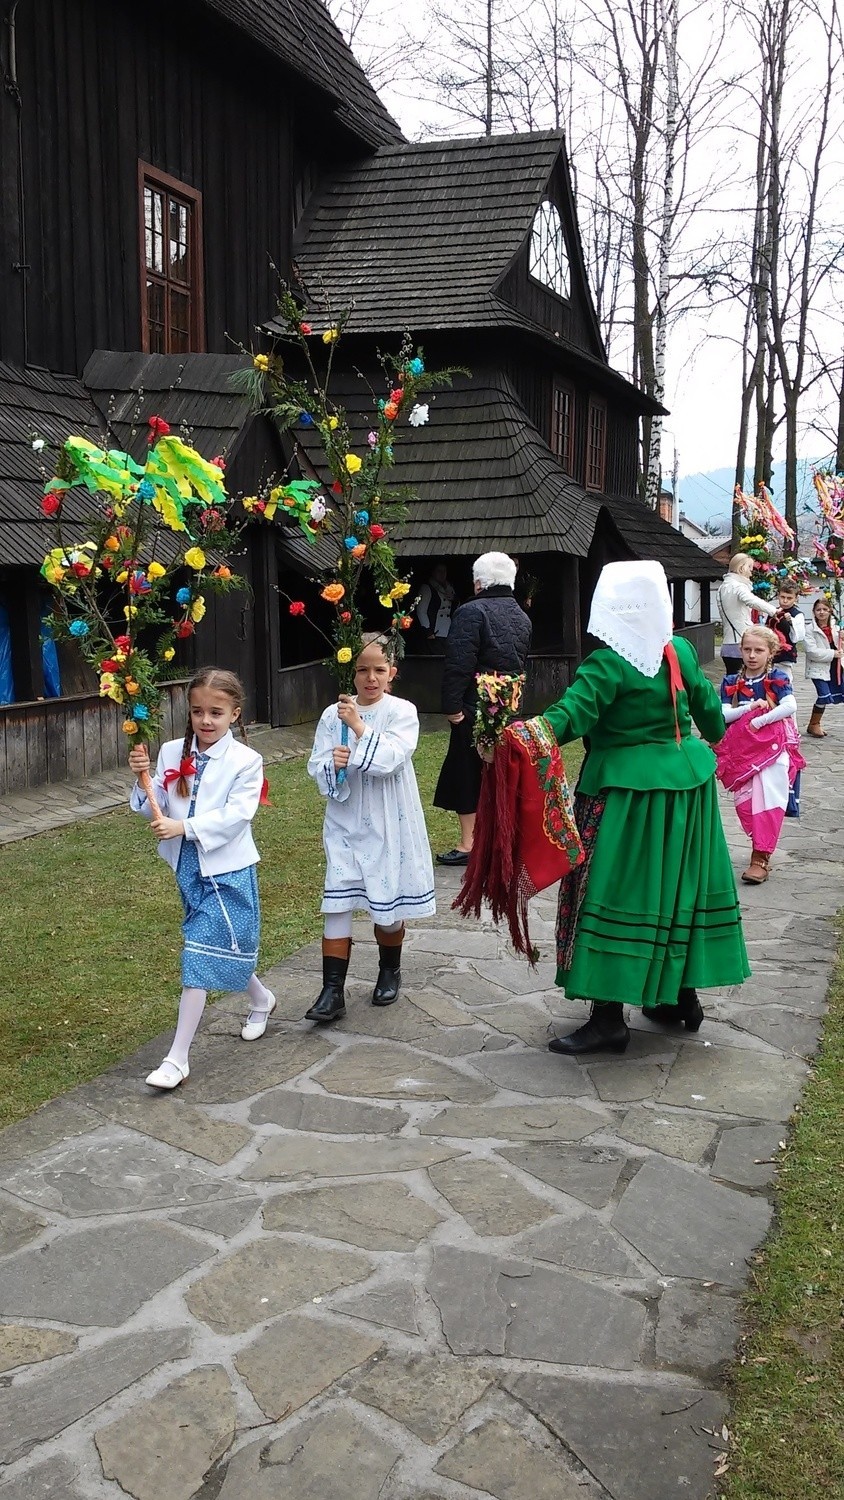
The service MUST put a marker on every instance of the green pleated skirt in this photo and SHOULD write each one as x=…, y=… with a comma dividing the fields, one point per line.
x=655, y=909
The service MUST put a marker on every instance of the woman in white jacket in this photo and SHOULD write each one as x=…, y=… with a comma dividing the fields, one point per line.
x=823, y=664
x=736, y=602
x=208, y=788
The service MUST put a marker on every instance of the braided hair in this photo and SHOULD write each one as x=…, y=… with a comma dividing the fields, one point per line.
x=219, y=681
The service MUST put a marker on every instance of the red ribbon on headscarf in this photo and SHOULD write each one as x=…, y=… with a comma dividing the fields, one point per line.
x=187, y=768
x=675, y=677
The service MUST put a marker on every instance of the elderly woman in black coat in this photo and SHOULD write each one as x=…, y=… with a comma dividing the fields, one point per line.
x=489, y=634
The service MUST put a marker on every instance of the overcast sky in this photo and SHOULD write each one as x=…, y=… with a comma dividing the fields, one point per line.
x=704, y=373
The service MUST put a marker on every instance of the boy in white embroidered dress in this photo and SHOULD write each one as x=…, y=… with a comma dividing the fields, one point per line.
x=376, y=844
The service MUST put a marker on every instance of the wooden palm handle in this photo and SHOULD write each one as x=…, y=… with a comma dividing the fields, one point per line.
x=145, y=782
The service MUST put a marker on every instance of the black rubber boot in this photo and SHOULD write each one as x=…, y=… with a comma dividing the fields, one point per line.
x=388, y=983
x=605, y=1031
x=330, y=1004
x=687, y=1012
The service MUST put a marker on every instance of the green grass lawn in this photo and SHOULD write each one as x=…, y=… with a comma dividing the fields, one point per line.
x=92, y=970
x=787, y=1392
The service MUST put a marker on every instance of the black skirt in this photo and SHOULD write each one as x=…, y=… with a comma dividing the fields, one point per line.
x=459, y=784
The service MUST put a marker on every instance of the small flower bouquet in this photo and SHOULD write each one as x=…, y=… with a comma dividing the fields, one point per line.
x=499, y=702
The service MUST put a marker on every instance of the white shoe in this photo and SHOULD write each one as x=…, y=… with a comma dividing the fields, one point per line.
x=250, y=1031
x=169, y=1075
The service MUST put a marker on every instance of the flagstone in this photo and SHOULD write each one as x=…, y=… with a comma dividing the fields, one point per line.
x=172, y=1121
x=541, y=1074
x=625, y=1083
x=387, y=1072
x=671, y=1132
x=291, y=1156
x=327, y=1115
x=423, y=1392
x=747, y=1154
x=330, y=1457
x=165, y=1446
x=224, y=1219
x=391, y=1306
x=20, y=1345
x=17, y=1227
x=56, y=1121
x=497, y=1459
x=697, y=1329
x=52, y=1480
x=725, y=1080
x=588, y=1173
x=372, y=1215
x=516, y=1122
x=582, y=1244
x=224, y=1074
x=267, y=1277
x=489, y=1198
x=298, y=1358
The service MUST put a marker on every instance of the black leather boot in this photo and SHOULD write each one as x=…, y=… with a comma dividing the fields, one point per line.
x=387, y=984
x=688, y=1012
x=605, y=1031
x=330, y=1003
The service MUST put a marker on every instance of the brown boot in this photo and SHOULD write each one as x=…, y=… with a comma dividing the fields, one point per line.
x=814, y=725
x=757, y=871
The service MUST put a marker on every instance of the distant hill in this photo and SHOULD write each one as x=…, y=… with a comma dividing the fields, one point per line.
x=706, y=498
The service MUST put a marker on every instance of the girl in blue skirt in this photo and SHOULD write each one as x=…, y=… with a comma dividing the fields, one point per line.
x=208, y=787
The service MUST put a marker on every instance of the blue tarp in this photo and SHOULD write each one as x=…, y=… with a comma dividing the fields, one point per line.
x=7, y=681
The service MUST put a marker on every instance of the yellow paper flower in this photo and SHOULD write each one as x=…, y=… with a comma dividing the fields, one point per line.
x=333, y=423
x=386, y=600
x=344, y=654
x=119, y=656
x=331, y=335
x=122, y=576
x=129, y=726
x=261, y=361
x=248, y=502
x=131, y=687
x=399, y=590
x=168, y=654
x=195, y=558
x=155, y=570
x=130, y=610
x=352, y=463
x=197, y=609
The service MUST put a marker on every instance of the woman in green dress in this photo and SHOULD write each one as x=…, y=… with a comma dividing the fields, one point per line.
x=652, y=913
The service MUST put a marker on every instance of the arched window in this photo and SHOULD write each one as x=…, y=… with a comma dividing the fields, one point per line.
x=549, y=262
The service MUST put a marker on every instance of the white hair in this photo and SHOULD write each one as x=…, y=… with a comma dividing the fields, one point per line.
x=494, y=568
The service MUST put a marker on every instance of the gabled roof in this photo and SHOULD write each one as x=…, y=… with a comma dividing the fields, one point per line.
x=486, y=480
x=419, y=235
x=36, y=404
x=302, y=34
x=192, y=392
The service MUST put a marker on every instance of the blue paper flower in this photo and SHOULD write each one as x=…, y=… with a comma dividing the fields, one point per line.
x=416, y=367
x=183, y=596
x=306, y=419
x=140, y=712
x=78, y=628
x=381, y=405
x=146, y=490
x=361, y=517
x=350, y=542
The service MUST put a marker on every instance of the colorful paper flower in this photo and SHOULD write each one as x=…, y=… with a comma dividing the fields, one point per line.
x=156, y=570
x=317, y=510
x=146, y=490
x=405, y=622
x=352, y=463
x=183, y=596
x=361, y=517
x=399, y=590
x=51, y=503
x=219, y=462
x=337, y=488
x=122, y=643
x=108, y=666
x=350, y=542
x=419, y=415
x=391, y=411
x=184, y=628
x=386, y=600
x=333, y=592
x=416, y=367
x=139, y=583
x=79, y=628
x=168, y=653
x=296, y=607
x=345, y=617
x=197, y=609
x=140, y=712
x=38, y=445
x=396, y=395
x=372, y=438
x=331, y=335
x=377, y=532
x=359, y=551
x=344, y=655
x=157, y=428
x=130, y=610
x=131, y=686
x=129, y=726
x=333, y=423
x=111, y=544
x=305, y=328
x=306, y=419
x=195, y=558
x=223, y=572
x=261, y=362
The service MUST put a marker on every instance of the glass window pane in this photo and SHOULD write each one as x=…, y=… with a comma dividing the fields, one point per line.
x=155, y=318
x=548, y=260
x=179, y=322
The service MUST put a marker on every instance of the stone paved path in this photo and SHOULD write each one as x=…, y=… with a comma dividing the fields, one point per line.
x=415, y=1256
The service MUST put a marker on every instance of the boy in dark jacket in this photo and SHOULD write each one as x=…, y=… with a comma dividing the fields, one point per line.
x=489, y=634
x=791, y=625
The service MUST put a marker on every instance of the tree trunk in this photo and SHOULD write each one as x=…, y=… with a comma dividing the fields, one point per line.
x=669, y=26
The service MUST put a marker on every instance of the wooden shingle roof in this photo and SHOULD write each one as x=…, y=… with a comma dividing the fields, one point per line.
x=486, y=480
x=193, y=392
x=302, y=34
x=419, y=235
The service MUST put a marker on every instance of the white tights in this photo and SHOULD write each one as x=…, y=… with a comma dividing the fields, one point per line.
x=191, y=1006
x=338, y=924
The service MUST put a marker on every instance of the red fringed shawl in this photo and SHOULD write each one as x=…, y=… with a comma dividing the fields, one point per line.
x=525, y=834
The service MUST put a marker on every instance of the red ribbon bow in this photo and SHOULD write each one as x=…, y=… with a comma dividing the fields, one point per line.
x=186, y=768
x=739, y=689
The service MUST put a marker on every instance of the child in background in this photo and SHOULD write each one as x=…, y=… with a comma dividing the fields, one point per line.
x=823, y=664
x=376, y=844
x=759, y=756
x=790, y=623
x=208, y=787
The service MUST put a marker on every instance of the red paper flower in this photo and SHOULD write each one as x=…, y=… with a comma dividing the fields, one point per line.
x=157, y=428
x=396, y=395
x=80, y=569
x=337, y=488
x=405, y=622
x=297, y=607
x=260, y=506
x=305, y=328
x=183, y=628
x=376, y=532
x=220, y=462
x=50, y=504
x=345, y=617
x=107, y=561
x=122, y=642
x=108, y=665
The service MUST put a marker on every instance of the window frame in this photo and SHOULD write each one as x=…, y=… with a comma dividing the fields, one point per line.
x=557, y=388
x=546, y=204
x=151, y=177
x=596, y=404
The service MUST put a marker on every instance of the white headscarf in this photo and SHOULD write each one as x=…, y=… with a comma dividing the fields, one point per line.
x=632, y=613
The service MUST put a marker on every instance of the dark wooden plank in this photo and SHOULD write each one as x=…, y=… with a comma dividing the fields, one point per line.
x=92, y=745
x=16, y=763
x=36, y=746
x=62, y=759
x=112, y=738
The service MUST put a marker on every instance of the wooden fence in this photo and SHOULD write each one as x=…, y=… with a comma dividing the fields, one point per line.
x=68, y=739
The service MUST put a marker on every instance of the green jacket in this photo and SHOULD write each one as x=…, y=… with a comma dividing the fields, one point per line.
x=627, y=721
